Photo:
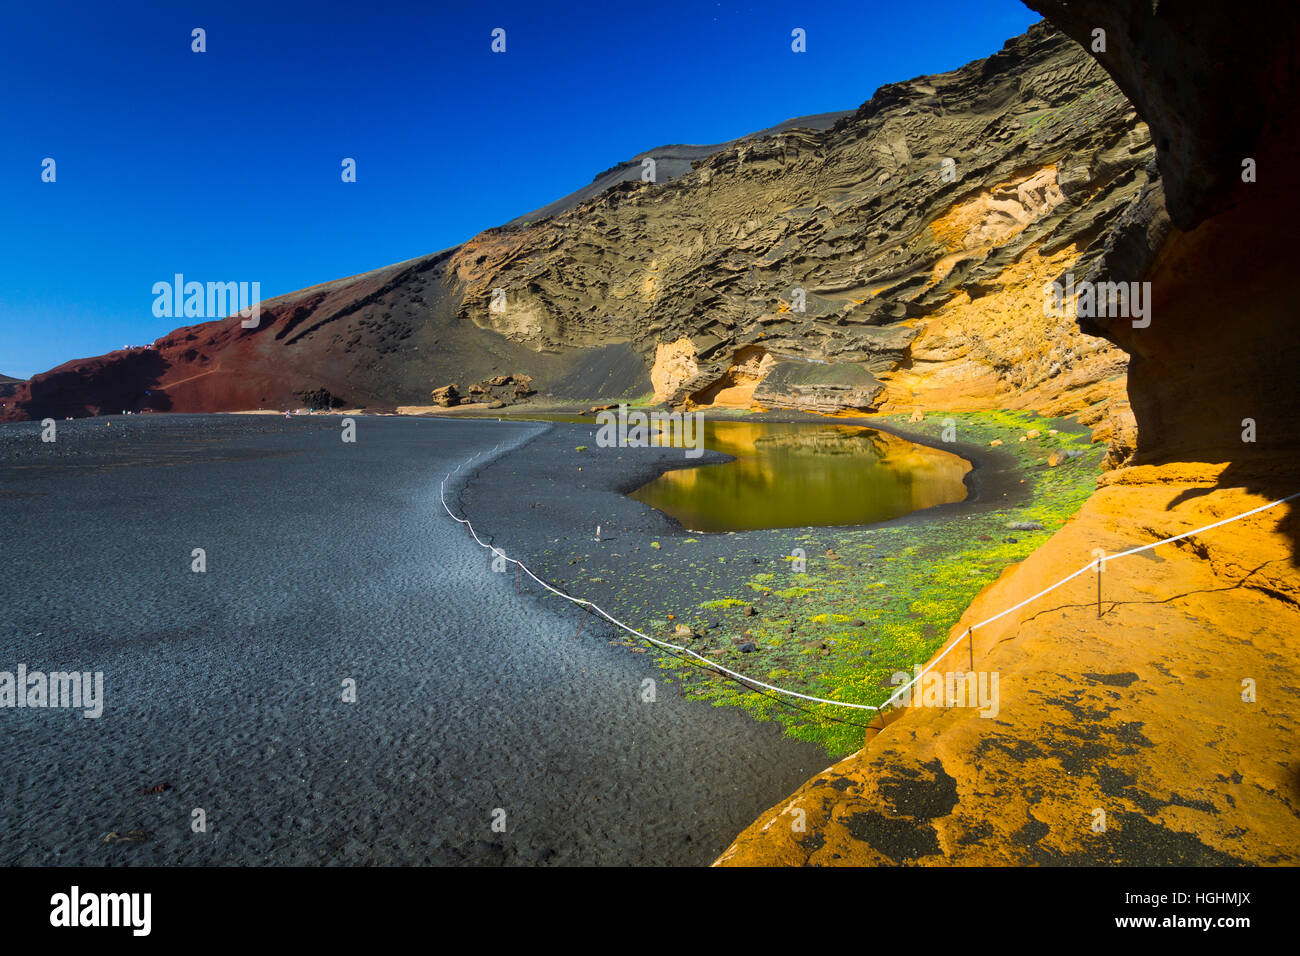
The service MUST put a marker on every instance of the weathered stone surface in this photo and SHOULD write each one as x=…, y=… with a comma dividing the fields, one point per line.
x=496, y=391
x=446, y=396
x=320, y=398
x=817, y=386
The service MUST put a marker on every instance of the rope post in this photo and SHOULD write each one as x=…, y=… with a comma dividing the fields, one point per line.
x=1100, y=555
x=970, y=642
x=518, y=575
x=586, y=612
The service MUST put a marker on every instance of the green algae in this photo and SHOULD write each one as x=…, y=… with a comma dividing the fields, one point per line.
x=884, y=599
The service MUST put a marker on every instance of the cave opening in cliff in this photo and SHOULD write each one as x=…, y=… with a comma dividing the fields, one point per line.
x=736, y=386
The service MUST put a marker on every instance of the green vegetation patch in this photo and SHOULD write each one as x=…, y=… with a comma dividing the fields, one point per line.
x=882, y=600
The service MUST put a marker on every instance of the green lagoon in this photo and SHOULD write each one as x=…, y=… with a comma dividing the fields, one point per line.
x=801, y=475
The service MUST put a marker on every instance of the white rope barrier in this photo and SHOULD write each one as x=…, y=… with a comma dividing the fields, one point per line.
x=582, y=602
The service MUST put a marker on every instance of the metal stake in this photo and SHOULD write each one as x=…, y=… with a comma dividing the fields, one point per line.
x=1099, y=589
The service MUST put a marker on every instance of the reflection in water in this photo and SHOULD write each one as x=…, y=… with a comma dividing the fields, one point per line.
x=792, y=476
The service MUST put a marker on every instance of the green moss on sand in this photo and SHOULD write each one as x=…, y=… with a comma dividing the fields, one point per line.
x=884, y=599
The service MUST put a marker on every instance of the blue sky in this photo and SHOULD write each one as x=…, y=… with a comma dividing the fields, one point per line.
x=225, y=165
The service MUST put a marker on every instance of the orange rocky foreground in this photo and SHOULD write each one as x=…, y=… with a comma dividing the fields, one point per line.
x=1144, y=716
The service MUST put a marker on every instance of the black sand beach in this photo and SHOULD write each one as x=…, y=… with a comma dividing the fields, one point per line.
x=329, y=561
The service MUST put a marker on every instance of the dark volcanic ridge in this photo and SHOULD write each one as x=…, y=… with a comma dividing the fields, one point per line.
x=671, y=162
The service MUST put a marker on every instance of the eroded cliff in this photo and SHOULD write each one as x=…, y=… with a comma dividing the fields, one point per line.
x=822, y=270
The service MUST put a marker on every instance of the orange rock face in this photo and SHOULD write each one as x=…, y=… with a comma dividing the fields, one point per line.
x=1001, y=350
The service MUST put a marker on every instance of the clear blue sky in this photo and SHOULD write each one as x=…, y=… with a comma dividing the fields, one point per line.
x=225, y=165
